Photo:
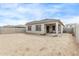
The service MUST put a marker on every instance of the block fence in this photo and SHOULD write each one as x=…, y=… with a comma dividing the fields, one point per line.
x=76, y=32
x=6, y=30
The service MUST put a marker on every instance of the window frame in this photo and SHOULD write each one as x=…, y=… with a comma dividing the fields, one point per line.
x=38, y=27
x=29, y=28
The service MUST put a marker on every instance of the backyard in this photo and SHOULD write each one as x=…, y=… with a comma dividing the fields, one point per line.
x=37, y=45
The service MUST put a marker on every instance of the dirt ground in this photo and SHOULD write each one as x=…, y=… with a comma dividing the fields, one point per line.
x=37, y=45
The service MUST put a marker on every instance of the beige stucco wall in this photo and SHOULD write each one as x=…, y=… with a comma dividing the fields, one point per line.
x=43, y=28
x=34, y=29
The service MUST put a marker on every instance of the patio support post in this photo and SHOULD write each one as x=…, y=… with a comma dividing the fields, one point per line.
x=61, y=29
x=57, y=28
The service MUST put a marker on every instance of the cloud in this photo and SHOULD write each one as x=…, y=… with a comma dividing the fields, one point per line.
x=22, y=13
x=37, y=11
x=13, y=22
x=72, y=19
x=8, y=5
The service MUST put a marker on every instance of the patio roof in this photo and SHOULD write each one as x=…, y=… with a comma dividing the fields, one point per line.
x=44, y=21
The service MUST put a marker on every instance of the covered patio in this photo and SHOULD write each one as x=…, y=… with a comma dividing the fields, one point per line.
x=54, y=28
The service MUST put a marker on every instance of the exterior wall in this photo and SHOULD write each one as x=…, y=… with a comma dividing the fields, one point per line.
x=43, y=28
x=6, y=30
x=76, y=32
x=68, y=30
x=20, y=30
x=34, y=29
x=59, y=28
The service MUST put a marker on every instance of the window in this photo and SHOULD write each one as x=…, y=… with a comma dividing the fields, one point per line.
x=38, y=27
x=29, y=28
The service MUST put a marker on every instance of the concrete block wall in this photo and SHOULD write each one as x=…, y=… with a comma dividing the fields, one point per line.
x=76, y=32
x=20, y=30
x=68, y=30
x=6, y=30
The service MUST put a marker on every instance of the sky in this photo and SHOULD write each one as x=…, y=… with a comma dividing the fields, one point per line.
x=21, y=13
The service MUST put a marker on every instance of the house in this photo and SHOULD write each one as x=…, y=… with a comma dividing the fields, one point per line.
x=70, y=25
x=45, y=26
x=69, y=28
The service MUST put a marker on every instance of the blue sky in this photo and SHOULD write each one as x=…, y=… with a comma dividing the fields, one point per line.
x=15, y=14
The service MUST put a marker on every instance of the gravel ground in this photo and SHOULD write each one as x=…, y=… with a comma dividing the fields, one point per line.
x=37, y=45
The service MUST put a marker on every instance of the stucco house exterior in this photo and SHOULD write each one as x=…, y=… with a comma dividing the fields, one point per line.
x=45, y=26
